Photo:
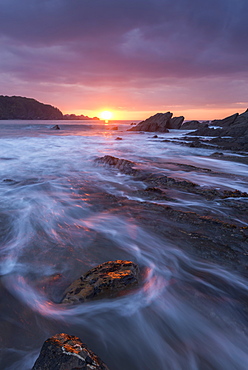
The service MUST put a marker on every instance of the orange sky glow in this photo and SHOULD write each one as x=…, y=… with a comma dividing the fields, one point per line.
x=132, y=58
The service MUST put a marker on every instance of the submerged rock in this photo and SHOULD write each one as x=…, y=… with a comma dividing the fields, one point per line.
x=118, y=138
x=124, y=165
x=56, y=127
x=107, y=280
x=67, y=352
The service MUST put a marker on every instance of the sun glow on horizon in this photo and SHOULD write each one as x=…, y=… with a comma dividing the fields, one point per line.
x=106, y=115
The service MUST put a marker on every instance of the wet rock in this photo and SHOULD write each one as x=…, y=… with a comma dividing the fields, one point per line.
x=8, y=180
x=118, y=138
x=216, y=154
x=107, y=280
x=67, y=352
x=176, y=123
x=124, y=165
x=193, y=125
x=155, y=137
x=115, y=128
x=159, y=122
x=207, y=131
x=56, y=127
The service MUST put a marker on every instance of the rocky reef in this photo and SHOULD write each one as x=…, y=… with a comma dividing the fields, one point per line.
x=207, y=235
x=230, y=133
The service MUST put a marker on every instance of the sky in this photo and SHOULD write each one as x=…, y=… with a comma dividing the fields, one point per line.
x=132, y=57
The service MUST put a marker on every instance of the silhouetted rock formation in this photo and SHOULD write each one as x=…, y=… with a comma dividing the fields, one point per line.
x=81, y=117
x=229, y=133
x=193, y=125
x=67, y=352
x=160, y=122
x=104, y=281
x=225, y=121
x=17, y=107
x=176, y=122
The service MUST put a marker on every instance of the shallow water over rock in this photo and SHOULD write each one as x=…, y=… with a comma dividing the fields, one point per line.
x=61, y=214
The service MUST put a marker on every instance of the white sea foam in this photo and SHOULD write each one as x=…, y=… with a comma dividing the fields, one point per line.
x=185, y=314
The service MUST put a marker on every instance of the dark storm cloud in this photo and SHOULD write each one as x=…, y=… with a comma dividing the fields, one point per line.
x=123, y=42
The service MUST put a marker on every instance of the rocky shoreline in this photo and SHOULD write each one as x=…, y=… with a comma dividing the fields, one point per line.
x=209, y=235
x=204, y=233
x=107, y=280
x=229, y=133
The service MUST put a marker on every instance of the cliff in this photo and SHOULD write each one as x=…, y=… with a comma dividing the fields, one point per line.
x=17, y=107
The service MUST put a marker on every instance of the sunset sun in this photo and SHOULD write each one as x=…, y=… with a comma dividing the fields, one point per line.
x=106, y=115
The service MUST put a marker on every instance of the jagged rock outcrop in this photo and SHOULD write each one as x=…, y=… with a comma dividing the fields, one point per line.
x=107, y=280
x=231, y=132
x=176, y=122
x=193, y=125
x=67, y=352
x=18, y=107
x=160, y=122
x=124, y=165
x=225, y=121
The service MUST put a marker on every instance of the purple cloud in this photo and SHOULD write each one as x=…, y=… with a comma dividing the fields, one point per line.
x=164, y=46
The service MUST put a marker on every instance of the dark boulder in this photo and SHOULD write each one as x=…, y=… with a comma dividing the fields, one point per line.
x=159, y=122
x=67, y=352
x=176, y=122
x=107, y=280
x=118, y=138
x=124, y=165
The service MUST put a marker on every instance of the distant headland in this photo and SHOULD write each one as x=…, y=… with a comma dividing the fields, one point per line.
x=18, y=107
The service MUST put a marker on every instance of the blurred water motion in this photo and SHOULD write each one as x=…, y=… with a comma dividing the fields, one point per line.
x=61, y=215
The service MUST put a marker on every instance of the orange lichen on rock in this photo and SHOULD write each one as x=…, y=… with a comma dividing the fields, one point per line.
x=104, y=281
x=67, y=352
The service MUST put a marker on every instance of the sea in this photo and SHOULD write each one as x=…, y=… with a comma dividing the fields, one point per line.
x=58, y=220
